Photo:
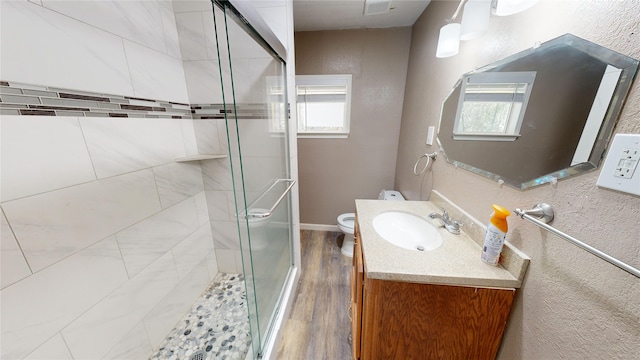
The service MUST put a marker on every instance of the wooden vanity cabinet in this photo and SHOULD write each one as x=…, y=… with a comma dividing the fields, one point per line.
x=400, y=320
x=357, y=278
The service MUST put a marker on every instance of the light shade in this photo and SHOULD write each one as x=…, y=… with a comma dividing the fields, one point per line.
x=475, y=19
x=510, y=7
x=449, y=40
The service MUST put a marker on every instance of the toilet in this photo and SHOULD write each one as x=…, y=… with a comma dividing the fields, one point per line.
x=346, y=221
x=259, y=240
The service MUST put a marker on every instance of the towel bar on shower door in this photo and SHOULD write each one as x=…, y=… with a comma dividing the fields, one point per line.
x=268, y=213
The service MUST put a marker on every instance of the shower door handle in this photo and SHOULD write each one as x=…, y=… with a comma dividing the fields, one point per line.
x=273, y=208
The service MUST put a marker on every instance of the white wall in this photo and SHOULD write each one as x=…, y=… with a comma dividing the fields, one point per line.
x=106, y=241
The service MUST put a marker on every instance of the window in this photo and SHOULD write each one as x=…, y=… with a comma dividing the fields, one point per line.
x=492, y=106
x=324, y=105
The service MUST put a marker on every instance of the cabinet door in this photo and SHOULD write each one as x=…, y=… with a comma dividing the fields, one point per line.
x=420, y=321
x=357, y=275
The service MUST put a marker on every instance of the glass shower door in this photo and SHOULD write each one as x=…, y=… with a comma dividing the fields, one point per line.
x=254, y=93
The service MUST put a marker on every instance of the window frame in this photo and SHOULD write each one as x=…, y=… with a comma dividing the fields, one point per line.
x=326, y=80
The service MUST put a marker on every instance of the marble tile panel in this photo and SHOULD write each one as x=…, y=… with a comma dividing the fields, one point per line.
x=98, y=62
x=263, y=142
x=225, y=235
x=191, y=35
x=170, y=310
x=53, y=349
x=192, y=250
x=226, y=260
x=138, y=21
x=213, y=40
x=189, y=137
x=203, y=210
x=241, y=44
x=134, y=345
x=239, y=264
x=42, y=153
x=155, y=75
x=191, y=5
x=178, y=181
x=217, y=174
x=203, y=82
x=222, y=136
x=56, y=224
x=118, y=146
x=171, y=39
x=12, y=262
x=38, y=307
x=212, y=264
x=98, y=330
x=260, y=172
x=221, y=205
x=266, y=73
x=148, y=240
x=242, y=80
x=207, y=137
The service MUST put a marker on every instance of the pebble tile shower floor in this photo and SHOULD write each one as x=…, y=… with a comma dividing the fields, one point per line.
x=215, y=328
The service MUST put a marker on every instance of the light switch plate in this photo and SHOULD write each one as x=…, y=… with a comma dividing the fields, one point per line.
x=621, y=169
x=430, y=133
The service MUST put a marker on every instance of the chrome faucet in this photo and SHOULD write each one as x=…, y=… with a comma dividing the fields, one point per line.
x=452, y=226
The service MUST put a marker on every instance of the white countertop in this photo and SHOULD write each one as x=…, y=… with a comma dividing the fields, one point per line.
x=455, y=262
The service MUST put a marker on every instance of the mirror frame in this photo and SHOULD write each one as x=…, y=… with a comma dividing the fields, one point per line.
x=628, y=67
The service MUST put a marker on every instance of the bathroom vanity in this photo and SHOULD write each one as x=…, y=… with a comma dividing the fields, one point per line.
x=442, y=303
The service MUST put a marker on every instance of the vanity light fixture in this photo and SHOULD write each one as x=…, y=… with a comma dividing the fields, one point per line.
x=510, y=7
x=449, y=38
x=475, y=19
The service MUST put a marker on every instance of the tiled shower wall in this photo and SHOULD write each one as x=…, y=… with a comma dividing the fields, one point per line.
x=106, y=240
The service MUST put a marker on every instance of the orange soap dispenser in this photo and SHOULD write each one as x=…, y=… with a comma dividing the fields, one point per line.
x=495, y=236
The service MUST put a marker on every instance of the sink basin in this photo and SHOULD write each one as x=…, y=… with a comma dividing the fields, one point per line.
x=407, y=231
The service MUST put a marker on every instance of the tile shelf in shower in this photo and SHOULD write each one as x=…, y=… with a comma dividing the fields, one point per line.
x=201, y=157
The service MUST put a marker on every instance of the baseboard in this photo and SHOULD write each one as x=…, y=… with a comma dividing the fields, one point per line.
x=319, y=227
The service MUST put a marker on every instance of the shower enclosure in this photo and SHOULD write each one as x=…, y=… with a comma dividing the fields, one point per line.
x=253, y=82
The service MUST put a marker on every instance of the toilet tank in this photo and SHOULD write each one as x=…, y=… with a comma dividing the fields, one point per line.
x=390, y=195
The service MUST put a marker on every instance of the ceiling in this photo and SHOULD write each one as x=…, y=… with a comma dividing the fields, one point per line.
x=313, y=15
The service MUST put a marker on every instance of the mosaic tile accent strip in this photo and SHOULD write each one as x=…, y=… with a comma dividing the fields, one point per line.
x=216, y=327
x=27, y=99
x=217, y=111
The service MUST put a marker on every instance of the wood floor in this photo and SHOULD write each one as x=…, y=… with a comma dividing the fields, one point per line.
x=319, y=326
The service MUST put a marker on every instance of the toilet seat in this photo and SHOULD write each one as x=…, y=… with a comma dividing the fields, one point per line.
x=347, y=222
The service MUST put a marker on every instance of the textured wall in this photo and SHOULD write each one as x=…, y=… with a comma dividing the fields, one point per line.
x=572, y=304
x=335, y=172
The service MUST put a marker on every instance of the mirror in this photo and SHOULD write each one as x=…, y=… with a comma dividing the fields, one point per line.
x=566, y=112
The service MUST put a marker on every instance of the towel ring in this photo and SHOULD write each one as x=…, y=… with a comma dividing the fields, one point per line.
x=429, y=157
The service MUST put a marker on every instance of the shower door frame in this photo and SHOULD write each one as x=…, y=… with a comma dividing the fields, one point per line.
x=255, y=26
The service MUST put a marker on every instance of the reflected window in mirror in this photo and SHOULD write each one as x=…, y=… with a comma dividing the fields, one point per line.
x=492, y=105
